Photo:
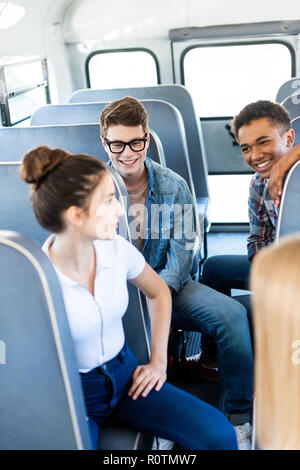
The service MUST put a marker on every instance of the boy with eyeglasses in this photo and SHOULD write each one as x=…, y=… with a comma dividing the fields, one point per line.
x=125, y=137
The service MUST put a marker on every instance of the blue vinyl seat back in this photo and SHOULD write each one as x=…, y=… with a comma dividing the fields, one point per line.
x=177, y=95
x=66, y=116
x=164, y=119
x=15, y=206
x=17, y=214
x=292, y=105
x=41, y=402
x=296, y=126
x=81, y=138
x=16, y=210
x=288, y=88
x=289, y=213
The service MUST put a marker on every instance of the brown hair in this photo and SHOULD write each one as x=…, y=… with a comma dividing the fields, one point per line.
x=59, y=180
x=276, y=114
x=127, y=111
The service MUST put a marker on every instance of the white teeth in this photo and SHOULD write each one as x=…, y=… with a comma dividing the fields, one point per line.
x=128, y=162
x=263, y=164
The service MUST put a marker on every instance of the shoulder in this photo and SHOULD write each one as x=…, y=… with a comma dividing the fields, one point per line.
x=130, y=256
x=119, y=247
x=109, y=248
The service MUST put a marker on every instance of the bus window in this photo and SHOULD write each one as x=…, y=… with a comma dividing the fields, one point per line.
x=224, y=79
x=121, y=69
x=24, y=88
x=226, y=207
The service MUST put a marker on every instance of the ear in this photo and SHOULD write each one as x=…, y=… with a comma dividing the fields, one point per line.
x=74, y=215
x=290, y=137
x=148, y=140
x=105, y=146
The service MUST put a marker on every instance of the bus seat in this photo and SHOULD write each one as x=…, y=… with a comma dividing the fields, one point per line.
x=296, y=126
x=288, y=218
x=288, y=88
x=41, y=402
x=166, y=121
x=15, y=207
x=163, y=118
x=292, y=105
x=177, y=95
x=82, y=138
x=67, y=116
x=17, y=215
x=73, y=137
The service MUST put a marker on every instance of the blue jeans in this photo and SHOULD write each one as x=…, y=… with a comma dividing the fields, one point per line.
x=200, y=308
x=170, y=413
x=226, y=272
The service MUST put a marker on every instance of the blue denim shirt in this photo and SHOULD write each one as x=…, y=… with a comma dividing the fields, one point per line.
x=170, y=232
x=169, y=225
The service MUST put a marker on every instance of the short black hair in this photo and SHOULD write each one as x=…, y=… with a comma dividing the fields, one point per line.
x=276, y=113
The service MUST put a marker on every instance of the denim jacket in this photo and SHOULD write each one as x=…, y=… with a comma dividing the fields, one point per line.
x=170, y=232
x=169, y=225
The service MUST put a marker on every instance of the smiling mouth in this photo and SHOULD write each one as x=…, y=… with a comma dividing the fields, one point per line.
x=263, y=165
x=128, y=162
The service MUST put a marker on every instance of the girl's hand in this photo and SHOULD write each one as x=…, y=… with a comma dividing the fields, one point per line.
x=147, y=377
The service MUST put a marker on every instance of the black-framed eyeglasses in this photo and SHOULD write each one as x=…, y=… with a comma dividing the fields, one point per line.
x=117, y=146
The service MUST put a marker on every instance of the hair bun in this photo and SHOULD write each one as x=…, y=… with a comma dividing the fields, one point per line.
x=40, y=161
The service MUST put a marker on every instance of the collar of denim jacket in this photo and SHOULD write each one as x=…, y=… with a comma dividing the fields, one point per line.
x=149, y=168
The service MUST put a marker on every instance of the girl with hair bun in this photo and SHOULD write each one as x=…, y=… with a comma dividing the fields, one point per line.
x=73, y=196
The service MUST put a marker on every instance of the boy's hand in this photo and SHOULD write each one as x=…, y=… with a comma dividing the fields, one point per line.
x=275, y=185
x=279, y=171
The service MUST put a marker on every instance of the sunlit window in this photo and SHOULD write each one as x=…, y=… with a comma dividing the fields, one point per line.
x=24, y=88
x=229, y=198
x=223, y=79
x=122, y=69
x=23, y=106
x=21, y=75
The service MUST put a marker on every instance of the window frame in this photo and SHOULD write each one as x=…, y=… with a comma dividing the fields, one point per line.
x=220, y=118
x=184, y=39
x=127, y=49
x=235, y=43
x=6, y=95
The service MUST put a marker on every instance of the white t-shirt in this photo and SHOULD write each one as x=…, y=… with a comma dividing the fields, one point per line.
x=96, y=321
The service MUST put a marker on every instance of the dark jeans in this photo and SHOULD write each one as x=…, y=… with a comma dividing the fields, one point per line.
x=170, y=413
x=199, y=308
x=226, y=272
